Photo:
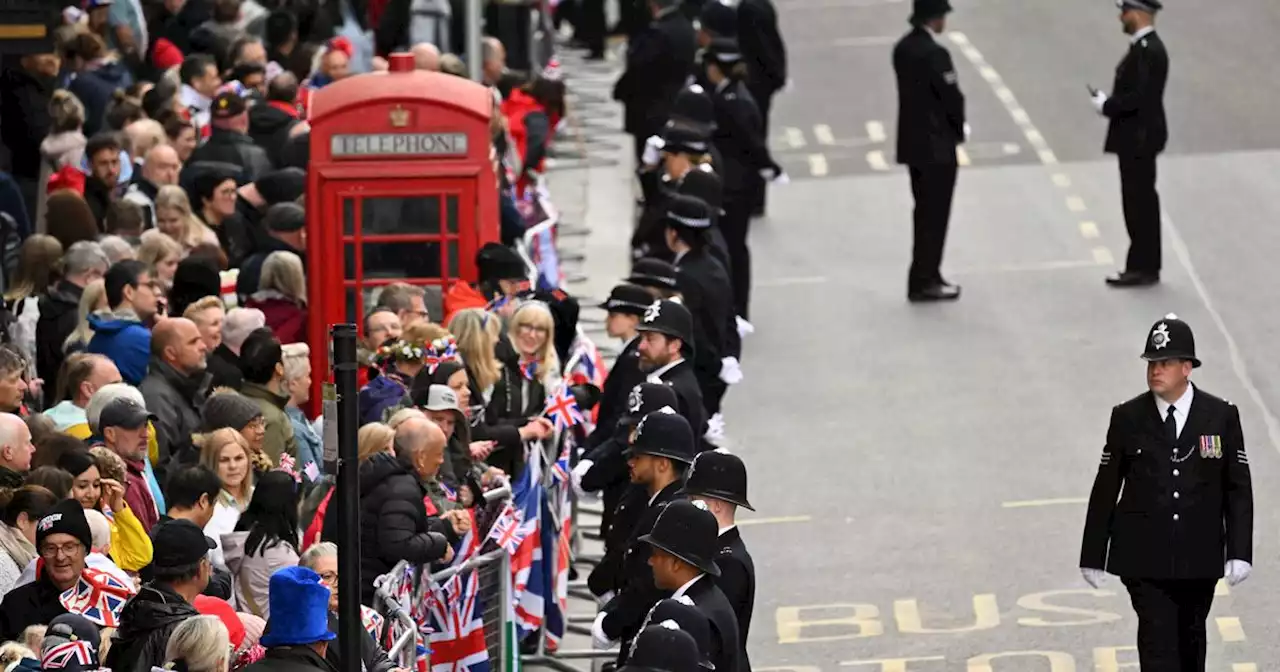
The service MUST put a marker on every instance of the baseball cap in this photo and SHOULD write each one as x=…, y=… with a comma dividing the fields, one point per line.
x=229, y=104
x=124, y=412
x=178, y=543
x=442, y=398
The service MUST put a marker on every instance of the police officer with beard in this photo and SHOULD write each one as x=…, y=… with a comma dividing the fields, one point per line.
x=666, y=347
x=659, y=60
x=1175, y=458
x=661, y=450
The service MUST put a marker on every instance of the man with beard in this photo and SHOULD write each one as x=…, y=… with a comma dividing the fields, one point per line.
x=666, y=350
x=176, y=385
x=101, y=186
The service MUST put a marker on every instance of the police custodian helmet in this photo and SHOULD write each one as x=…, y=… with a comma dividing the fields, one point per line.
x=1170, y=338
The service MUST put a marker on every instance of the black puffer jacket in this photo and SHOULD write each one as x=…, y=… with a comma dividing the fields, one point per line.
x=145, y=625
x=59, y=314
x=394, y=519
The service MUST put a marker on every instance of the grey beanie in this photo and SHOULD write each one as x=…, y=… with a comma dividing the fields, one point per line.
x=229, y=409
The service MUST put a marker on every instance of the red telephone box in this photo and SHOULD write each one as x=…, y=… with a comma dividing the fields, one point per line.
x=400, y=188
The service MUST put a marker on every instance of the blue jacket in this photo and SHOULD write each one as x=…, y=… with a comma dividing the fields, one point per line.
x=125, y=341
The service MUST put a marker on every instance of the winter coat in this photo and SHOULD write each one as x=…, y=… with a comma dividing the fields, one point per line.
x=122, y=337
x=59, y=315
x=145, y=625
x=24, y=105
x=33, y=604
x=380, y=397
x=56, y=151
x=177, y=401
x=225, y=146
x=396, y=526
x=224, y=366
x=279, y=436
x=310, y=445
x=292, y=659
x=269, y=125
x=286, y=317
x=251, y=270
x=95, y=88
x=251, y=574
x=372, y=656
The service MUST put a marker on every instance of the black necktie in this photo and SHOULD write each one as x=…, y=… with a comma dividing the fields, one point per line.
x=1171, y=426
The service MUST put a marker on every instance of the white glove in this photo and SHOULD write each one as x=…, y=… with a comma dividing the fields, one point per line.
x=599, y=640
x=604, y=599
x=1094, y=577
x=745, y=328
x=1099, y=99
x=775, y=176
x=1237, y=571
x=968, y=130
x=576, y=476
x=730, y=371
x=652, y=154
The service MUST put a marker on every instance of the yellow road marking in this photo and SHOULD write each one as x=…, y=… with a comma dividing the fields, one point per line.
x=1221, y=590
x=877, y=160
x=1244, y=667
x=822, y=133
x=962, y=157
x=1230, y=629
x=1044, y=502
x=875, y=132
x=817, y=165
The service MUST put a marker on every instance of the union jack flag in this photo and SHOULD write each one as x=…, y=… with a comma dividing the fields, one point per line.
x=457, y=637
x=98, y=596
x=372, y=621
x=59, y=656
x=507, y=530
x=563, y=410
x=560, y=470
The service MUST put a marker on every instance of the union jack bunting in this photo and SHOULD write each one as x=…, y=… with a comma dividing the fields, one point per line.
x=563, y=410
x=61, y=655
x=98, y=596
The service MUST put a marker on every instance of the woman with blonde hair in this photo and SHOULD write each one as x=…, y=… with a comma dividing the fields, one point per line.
x=530, y=373
x=282, y=296
x=92, y=301
x=226, y=453
x=36, y=272
x=175, y=219
x=161, y=254
x=64, y=146
x=199, y=644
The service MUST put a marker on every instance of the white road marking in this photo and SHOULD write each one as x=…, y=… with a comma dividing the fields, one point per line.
x=1011, y=148
x=1102, y=256
x=1010, y=101
x=1061, y=180
x=795, y=137
x=1044, y=502
x=1075, y=204
x=817, y=165
x=875, y=132
x=962, y=157
x=1089, y=229
x=1230, y=629
x=775, y=520
x=1244, y=667
x=877, y=161
x=822, y=133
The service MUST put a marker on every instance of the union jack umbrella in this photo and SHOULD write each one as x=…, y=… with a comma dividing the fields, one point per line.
x=60, y=656
x=562, y=408
x=98, y=596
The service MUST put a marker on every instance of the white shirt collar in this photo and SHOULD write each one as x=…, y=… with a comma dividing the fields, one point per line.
x=656, y=376
x=725, y=529
x=682, y=589
x=724, y=84
x=679, y=256
x=1142, y=32
x=1181, y=407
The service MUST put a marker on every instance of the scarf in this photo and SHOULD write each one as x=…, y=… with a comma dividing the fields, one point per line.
x=13, y=542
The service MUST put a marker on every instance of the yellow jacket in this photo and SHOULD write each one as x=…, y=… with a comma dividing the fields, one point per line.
x=130, y=545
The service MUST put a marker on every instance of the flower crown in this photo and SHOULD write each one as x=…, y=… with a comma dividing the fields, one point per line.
x=441, y=350
x=400, y=350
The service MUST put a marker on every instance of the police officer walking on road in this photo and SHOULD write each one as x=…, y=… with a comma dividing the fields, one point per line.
x=1176, y=460
x=1136, y=135
x=930, y=127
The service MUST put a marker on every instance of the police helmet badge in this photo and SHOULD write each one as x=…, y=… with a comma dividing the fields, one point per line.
x=699, y=504
x=635, y=400
x=652, y=312
x=1160, y=336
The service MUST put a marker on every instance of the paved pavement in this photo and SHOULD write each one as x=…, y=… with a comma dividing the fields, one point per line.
x=919, y=471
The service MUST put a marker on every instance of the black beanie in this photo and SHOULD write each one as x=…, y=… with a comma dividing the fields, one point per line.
x=66, y=517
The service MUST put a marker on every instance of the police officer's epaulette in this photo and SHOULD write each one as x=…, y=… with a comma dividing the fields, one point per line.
x=1143, y=43
x=726, y=551
x=730, y=96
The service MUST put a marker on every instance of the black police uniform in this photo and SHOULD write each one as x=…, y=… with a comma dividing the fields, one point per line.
x=930, y=126
x=649, y=238
x=656, y=275
x=739, y=136
x=766, y=56
x=1185, y=507
x=624, y=502
x=687, y=530
x=682, y=612
x=662, y=647
x=1137, y=134
x=625, y=374
x=662, y=434
x=718, y=474
x=674, y=320
x=659, y=61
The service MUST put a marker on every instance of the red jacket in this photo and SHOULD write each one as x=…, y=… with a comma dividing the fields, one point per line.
x=516, y=108
x=286, y=318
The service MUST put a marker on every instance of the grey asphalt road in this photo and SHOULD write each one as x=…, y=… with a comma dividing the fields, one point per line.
x=919, y=471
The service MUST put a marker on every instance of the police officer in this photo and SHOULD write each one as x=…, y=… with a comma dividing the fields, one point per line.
x=662, y=448
x=663, y=647
x=680, y=149
x=659, y=60
x=718, y=479
x=739, y=136
x=682, y=612
x=705, y=287
x=683, y=560
x=766, y=56
x=624, y=308
x=930, y=127
x=656, y=275
x=666, y=351
x=1175, y=457
x=1137, y=133
x=604, y=468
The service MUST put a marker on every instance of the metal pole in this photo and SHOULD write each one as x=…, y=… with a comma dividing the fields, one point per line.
x=475, y=68
x=344, y=374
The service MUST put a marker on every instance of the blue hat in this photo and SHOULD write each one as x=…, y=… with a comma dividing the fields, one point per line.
x=303, y=607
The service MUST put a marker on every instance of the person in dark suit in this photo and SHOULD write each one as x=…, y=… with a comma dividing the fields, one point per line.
x=666, y=350
x=1175, y=458
x=718, y=479
x=684, y=547
x=659, y=62
x=766, y=56
x=661, y=450
x=1136, y=134
x=930, y=127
